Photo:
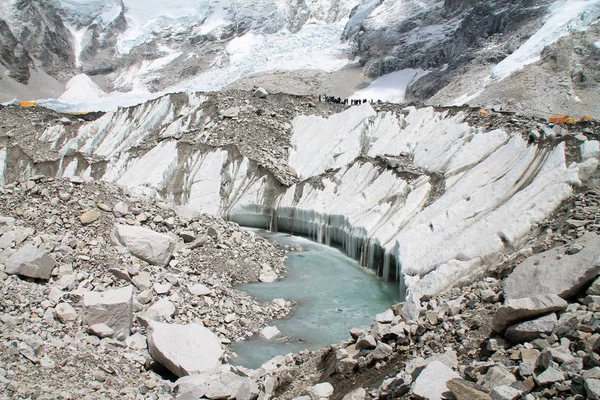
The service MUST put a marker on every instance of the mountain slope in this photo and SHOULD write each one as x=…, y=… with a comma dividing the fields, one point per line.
x=488, y=54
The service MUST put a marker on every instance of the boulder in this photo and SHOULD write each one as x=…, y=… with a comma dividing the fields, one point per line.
x=89, y=216
x=496, y=376
x=529, y=330
x=322, y=390
x=231, y=112
x=517, y=310
x=152, y=247
x=505, y=392
x=222, y=385
x=385, y=317
x=431, y=383
x=65, y=312
x=200, y=290
x=366, y=342
x=112, y=307
x=553, y=272
x=120, y=209
x=549, y=376
x=358, y=394
x=594, y=289
x=261, y=93
x=270, y=332
x=162, y=309
x=101, y=330
x=592, y=388
x=195, y=351
x=30, y=261
x=465, y=390
x=187, y=236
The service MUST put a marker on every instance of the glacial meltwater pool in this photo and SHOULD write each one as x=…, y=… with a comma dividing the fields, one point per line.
x=334, y=294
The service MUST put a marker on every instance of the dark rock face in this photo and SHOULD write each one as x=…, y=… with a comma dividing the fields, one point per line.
x=445, y=38
x=13, y=55
x=43, y=42
x=46, y=37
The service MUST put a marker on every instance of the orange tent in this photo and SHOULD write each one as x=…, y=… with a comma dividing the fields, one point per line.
x=28, y=103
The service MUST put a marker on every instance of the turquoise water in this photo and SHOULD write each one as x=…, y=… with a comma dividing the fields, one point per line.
x=334, y=294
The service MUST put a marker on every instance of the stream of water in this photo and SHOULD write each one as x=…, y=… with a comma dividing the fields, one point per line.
x=333, y=295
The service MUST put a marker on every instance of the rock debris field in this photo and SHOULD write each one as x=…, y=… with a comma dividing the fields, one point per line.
x=107, y=295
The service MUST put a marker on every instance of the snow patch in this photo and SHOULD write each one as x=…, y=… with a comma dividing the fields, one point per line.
x=81, y=87
x=567, y=16
x=316, y=46
x=391, y=87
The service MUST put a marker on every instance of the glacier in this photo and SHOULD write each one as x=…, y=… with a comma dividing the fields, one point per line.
x=417, y=194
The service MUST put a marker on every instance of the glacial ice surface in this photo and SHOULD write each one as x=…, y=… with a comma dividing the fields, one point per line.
x=465, y=197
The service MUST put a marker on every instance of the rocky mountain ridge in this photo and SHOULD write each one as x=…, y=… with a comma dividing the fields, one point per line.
x=459, y=47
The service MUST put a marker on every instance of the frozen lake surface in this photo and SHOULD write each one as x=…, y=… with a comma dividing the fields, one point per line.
x=334, y=294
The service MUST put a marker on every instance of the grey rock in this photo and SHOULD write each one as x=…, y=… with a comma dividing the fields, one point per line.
x=270, y=332
x=161, y=310
x=517, y=310
x=385, y=317
x=366, y=342
x=497, y=376
x=261, y=93
x=200, y=290
x=593, y=373
x=231, y=112
x=465, y=390
x=196, y=349
x=505, y=392
x=144, y=297
x=526, y=369
x=592, y=388
x=431, y=383
x=65, y=312
x=187, y=236
x=142, y=281
x=561, y=355
x=566, y=324
x=594, y=289
x=529, y=330
x=548, y=273
x=101, y=330
x=549, y=376
x=136, y=341
x=162, y=288
x=152, y=247
x=89, y=216
x=357, y=394
x=112, y=307
x=321, y=390
x=381, y=352
x=346, y=365
x=30, y=261
x=120, y=209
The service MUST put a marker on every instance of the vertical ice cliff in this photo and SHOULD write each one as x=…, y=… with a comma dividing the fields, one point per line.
x=418, y=195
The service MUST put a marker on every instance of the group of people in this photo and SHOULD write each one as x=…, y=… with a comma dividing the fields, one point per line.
x=339, y=100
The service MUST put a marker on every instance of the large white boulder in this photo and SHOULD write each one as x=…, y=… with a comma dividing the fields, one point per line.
x=431, y=383
x=152, y=247
x=112, y=307
x=517, y=310
x=553, y=272
x=184, y=349
x=30, y=261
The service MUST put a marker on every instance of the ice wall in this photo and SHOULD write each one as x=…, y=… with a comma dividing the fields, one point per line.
x=417, y=195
